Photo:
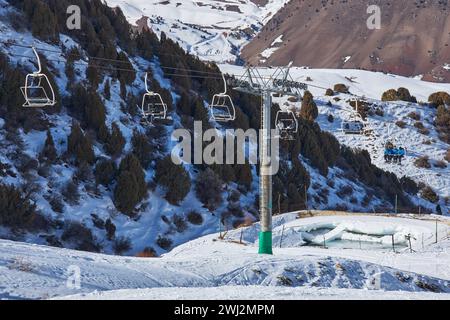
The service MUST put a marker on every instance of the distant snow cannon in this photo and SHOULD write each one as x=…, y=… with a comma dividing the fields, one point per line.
x=37, y=91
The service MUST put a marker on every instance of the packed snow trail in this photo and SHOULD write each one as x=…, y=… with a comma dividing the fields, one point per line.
x=36, y=272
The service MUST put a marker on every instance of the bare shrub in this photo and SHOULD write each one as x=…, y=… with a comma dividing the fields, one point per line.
x=195, y=218
x=179, y=223
x=422, y=162
x=401, y=124
x=164, y=243
x=147, y=253
x=121, y=245
x=428, y=194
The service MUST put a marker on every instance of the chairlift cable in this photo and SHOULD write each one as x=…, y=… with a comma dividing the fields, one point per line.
x=208, y=75
x=106, y=59
x=111, y=68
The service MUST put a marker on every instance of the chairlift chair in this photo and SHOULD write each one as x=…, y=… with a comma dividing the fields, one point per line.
x=287, y=124
x=353, y=127
x=222, y=107
x=355, y=124
x=394, y=150
x=153, y=106
x=34, y=91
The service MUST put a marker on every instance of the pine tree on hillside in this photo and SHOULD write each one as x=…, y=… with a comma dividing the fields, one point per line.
x=131, y=163
x=295, y=199
x=107, y=90
x=48, y=153
x=87, y=106
x=131, y=187
x=142, y=149
x=174, y=178
x=95, y=110
x=208, y=188
x=184, y=104
x=80, y=146
x=103, y=134
x=92, y=75
x=43, y=20
x=115, y=142
x=126, y=193
x=105, y=172
x=309, y=109
x=16, y=211
x=125, y=77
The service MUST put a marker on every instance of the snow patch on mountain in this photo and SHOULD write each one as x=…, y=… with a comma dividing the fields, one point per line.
x=211, y=29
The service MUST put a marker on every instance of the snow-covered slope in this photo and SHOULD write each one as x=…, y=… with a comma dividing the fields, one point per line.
x=142, y=231
x=211, y=29
x=372, y=85
x=29, y=271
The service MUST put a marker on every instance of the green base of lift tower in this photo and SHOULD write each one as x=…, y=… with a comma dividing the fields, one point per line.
x=265, y=242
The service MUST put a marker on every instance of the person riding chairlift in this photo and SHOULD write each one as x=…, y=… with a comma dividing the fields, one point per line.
x=389, y=152
x=394, y=154
x=401, y=152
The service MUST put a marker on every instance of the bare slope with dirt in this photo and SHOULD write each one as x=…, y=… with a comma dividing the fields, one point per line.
x=413, y=39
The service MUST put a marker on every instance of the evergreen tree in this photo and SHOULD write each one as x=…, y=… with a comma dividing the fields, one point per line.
x=208, y=188
x=49, y=154
x=92, y=75
x=43, y=20
x=174, y=178
x=131, y=187
x=107, y=90
x=142, y=149
x=309, y=109
x=103, y=134
x=80, y=146
x=184, y=104
x=126, y=193
x=115, y=142
x=105, y=172
x=16, y=211
x=95, y=111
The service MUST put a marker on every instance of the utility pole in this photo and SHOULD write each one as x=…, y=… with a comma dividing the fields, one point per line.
x=252, y=82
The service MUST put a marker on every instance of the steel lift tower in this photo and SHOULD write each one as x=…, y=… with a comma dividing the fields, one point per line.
x=264, y=83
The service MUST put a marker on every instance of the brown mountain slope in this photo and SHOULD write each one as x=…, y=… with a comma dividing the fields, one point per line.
x=414, y=38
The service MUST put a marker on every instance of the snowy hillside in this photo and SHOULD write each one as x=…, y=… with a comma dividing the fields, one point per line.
x=213, y=30
x=372, y=85
x=92, y=208
x=80, y=198
x=211, y=268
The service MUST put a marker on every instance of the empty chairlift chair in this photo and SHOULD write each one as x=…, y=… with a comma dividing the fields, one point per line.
x=37, y=91
x=222, y=107
x=287, y=124
x=355, y=124
x=153, y=106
